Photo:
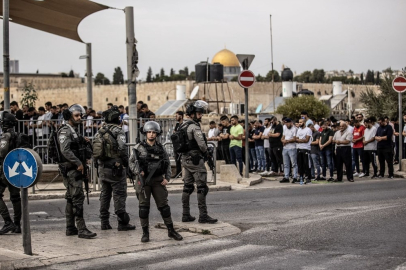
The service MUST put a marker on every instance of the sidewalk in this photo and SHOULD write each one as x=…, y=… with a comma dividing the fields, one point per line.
x=54, y=247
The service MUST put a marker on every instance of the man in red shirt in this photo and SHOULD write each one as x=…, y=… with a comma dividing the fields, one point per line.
x=358, y=148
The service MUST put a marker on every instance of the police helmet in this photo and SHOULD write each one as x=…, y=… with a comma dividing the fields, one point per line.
x=75, y=108
x=151, y=126
x=7, y=120
x=198, y=106
x=112, y=115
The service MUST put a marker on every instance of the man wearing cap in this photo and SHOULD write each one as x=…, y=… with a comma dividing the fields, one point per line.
x=289, y=150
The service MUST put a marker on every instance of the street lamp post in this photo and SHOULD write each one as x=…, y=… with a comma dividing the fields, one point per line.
x=88, y=58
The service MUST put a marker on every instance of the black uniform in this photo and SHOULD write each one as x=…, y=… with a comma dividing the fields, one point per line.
x=6, y=145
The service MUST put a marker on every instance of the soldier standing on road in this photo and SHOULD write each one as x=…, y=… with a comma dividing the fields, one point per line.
x=193, y=163
x=7, y=123
x=112, y=173
x=150, y=162
x=72, y=169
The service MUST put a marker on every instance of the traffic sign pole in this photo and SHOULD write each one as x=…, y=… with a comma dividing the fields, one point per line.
x=400, y=132
x=26, y=222
x=399, y=85
x=246, y=60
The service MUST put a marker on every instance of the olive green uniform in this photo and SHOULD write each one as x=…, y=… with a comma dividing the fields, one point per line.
x=195, y=169
x=70, y=142
x=153, y=186
x=112, y=175
x=5, y=148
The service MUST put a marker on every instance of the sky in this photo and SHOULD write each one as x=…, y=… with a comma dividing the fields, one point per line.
x=330, y=35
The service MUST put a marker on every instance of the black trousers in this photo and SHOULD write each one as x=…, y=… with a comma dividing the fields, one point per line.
x=268, y=158
x=385, y=154
x=303, y=162
x=370, y=157
x=276, y=159
x=226, y=154
x=343, y=157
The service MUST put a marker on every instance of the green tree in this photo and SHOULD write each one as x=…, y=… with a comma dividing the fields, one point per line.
x=149, y=75
x=71, y=74
x=378, y=80
x=276, y=77
x=29, y=95
x=234, y=79
x=118, y=76
x=383, y=103
x=172, y=72
x=64, y=75
x=259, y=78
x=192, y=76
x=162, y=72
x=369, y=79
x=101, y=79
x=186, y=69
x=362, y=78
x=294, y=106
x=317, y=76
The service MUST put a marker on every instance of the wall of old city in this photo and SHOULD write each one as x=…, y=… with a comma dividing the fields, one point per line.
x=69, y=90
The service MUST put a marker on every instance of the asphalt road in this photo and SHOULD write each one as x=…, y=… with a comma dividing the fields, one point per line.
x=359, y=225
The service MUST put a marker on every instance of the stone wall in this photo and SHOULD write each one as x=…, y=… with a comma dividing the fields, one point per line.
x=156, y=94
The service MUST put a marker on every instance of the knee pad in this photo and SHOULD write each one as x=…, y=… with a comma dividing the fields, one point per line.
x=165, y=211
x=204, y=189
x=124, y=218
x=78, y=210
x=144, y=211
x=189, y=189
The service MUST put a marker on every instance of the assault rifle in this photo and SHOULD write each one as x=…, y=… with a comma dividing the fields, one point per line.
x=83, y=152
x=210, y=160
x=139, y=170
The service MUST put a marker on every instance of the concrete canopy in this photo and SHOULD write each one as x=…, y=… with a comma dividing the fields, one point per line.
x=59, y=17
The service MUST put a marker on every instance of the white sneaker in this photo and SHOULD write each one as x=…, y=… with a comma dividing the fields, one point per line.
x=361, y=175
x=265, y=173
x=355, y=174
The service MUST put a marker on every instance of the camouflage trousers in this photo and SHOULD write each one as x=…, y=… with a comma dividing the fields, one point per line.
x=194, y=174
x=112, y=187
x=160, y=194
x=74, y=200
x=14, y=198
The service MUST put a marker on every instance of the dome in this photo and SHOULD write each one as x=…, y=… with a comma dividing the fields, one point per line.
x=227, y=58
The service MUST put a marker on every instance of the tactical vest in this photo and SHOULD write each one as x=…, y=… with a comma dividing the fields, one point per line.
x=154, y=159
x=105, y=145
x=193, y=143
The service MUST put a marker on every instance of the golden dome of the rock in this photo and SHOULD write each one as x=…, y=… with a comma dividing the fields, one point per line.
x=227, y=58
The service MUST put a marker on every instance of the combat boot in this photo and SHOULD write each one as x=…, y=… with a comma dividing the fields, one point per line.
x=85, y=233
x=128, y=227
x=172, y=233
x=145, y=234
x=8, y=226
x=105, y=225
x=207, y=219
x=17, y=229
x=188, y=218
x=71, y=231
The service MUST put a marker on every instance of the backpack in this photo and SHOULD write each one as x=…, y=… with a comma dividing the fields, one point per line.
x=180, y=139
x=54, y=151
x=105, y=144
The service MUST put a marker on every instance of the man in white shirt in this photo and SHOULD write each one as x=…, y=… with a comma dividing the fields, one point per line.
x=213, y=133
x=370, y=148
x=265, y=137
x=303, y=141
x=289, y=150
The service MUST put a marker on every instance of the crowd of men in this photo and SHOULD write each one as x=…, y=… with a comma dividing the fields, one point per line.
x=309, y=149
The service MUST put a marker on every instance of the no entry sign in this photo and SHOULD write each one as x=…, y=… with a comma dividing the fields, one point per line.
x=399, y=84
x=246, y=79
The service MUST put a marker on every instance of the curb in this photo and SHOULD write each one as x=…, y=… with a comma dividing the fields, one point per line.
x=175, y=190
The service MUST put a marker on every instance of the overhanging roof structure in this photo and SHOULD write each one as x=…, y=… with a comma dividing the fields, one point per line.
x=59, y=17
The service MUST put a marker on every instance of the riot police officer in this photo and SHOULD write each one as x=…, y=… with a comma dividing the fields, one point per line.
x=7, y=123
x=150, y=162
x=73, y=169
x=112, y=173
x=193, y=163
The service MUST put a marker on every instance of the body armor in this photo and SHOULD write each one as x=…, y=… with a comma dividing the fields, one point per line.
x=154, y=159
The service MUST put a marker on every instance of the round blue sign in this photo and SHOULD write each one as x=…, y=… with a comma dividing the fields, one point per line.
x=21, y=168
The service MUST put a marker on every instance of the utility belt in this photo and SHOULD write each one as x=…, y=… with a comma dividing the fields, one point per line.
x=115, y=170
x=194, y=157
x=64, y=168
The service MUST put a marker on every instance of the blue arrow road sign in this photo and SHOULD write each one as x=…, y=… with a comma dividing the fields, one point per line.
x=20, y=168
